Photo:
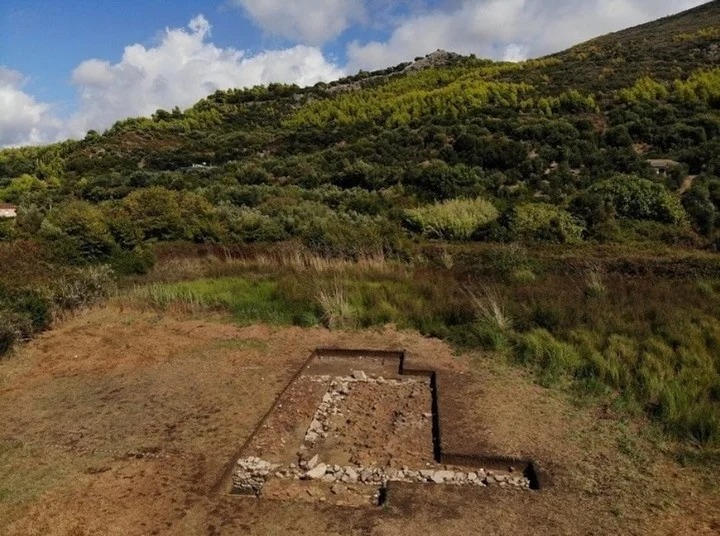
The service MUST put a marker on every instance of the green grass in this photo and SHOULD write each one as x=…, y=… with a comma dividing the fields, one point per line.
x=250, y=301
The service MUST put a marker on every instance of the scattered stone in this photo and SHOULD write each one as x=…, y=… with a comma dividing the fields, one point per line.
x=317, y=472
x=359, y=375
x=312, y=462
x=441, y=476
x=338, y=489
x=351, y=474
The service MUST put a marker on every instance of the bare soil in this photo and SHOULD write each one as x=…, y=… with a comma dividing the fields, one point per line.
x=119, y=422
x=381, y=425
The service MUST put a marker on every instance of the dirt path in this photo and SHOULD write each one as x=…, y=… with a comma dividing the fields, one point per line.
x=121, y=422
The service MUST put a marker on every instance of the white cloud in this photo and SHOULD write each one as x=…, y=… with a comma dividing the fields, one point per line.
x=183, y=68
x=309, y=21
x=507, y=29
x=23, y=119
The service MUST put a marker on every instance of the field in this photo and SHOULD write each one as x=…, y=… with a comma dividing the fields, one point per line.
x=124, y=420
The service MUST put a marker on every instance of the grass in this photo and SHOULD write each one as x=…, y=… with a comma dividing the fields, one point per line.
x=250, y=301
x=336, y=309
x=645, y=345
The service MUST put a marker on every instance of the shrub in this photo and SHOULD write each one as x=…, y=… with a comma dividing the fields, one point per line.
x=137, y=261
x=250, y=225
x=8, y=332
x=540, y=222
x=77, y=233
x=628, y=196
x=352, y=236
x=457, y=219
x=84, y=287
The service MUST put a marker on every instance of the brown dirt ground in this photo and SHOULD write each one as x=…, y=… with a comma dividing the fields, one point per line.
x=121, y=422
x=381, y=426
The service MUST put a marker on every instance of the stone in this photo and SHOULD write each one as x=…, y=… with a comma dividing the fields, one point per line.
x=312, y=462
x=440, y=477
x=311, y=437
x=359, y=375
x=337, y=489
x=316, y=426
x=317, y=472
x=351, y=474
x=366, y=475
x=328, y=478
x=472, y=477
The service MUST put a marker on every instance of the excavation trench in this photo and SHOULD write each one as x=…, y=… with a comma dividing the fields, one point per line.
x=351, y=423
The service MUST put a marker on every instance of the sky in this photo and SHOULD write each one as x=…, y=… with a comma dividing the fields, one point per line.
x=67, y=67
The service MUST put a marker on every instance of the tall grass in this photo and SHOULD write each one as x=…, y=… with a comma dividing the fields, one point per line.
x=286, y=258
x=336, y=309
x=248, y=300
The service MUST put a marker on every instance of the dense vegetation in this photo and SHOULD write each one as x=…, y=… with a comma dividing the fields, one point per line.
x=554, y=154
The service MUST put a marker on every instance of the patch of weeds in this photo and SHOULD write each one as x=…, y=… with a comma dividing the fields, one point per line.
x=337, y=312
x=594, y=283
x=523, y=275
x=552, y=360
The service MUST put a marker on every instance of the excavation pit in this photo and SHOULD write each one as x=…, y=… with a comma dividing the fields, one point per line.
x=351, y=423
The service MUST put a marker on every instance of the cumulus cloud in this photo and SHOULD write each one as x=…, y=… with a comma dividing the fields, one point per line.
x=183, y=68
x=310, y=21
x=507, y=29
x=23, y=119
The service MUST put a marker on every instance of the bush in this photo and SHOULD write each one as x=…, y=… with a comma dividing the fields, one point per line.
x=250, y=225
x=138, y=261
x=628, y=196
x=540, y=222
x=457, y=219
x=77, y=233
x=352, y=236
x=8, y=333
x=84, y=287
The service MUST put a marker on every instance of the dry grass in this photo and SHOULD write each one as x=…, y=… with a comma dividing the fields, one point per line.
x=294, y=259
x=337, y=313
x=490, y=309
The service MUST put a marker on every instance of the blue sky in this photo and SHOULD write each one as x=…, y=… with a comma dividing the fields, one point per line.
x=70, y=66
